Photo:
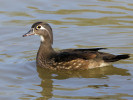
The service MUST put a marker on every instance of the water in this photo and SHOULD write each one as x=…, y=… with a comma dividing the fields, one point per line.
x=76, y=24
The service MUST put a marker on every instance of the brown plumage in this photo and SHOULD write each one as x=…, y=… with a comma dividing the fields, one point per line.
x=68, y=58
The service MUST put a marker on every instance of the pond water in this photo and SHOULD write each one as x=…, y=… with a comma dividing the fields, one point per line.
x=76, y=24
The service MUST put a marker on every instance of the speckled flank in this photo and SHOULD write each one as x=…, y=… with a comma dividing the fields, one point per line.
x=80, y=64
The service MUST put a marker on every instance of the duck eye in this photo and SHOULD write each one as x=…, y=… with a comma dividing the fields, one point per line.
x=38, y=27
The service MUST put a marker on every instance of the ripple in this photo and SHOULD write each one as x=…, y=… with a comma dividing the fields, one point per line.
x=64, y=11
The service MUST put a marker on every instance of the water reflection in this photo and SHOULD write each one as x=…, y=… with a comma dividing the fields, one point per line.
x=48, y=77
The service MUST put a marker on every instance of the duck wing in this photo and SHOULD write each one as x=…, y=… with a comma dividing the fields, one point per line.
x=81, y=50
x=87, y=54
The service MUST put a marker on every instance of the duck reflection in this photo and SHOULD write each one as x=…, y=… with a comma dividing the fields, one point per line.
x=47, y=77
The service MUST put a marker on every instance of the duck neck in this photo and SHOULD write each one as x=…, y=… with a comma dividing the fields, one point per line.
x=45, y=51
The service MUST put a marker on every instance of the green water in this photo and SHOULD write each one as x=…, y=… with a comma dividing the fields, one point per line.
x=76, y=24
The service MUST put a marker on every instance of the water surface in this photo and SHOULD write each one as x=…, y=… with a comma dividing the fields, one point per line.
x=76, y=24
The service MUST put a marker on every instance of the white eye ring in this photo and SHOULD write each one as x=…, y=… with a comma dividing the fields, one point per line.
x=40, y=27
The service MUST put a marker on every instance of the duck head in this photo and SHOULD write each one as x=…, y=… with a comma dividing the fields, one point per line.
x=42, y=29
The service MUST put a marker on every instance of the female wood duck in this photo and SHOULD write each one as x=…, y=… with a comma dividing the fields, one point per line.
x=68, y=58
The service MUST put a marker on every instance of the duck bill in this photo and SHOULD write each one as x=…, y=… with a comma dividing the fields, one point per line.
x=31, y=32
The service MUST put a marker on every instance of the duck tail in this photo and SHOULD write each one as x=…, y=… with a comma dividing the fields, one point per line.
x=117, y=58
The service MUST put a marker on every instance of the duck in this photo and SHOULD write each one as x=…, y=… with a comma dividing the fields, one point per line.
x=72, y=59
